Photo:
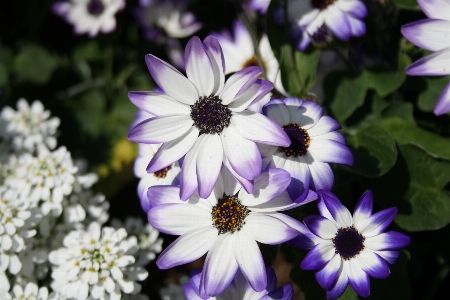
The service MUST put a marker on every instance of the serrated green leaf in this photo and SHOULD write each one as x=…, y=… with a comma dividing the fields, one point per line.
x=429, y=96
x=374, y=151
x=34, y=64
x=405, y=133
x=346, y=92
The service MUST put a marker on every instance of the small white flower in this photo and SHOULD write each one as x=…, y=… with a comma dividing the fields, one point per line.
x=30, y=291
x=30, y=127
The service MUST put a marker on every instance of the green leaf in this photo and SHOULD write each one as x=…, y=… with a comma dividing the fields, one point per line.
x=374, y=151
x=88, y=51
x=405, y=133
x=349, y=294
x=406, y=3
x=401, y=110
x=34, y=64
x=346, y=92
x=429, y=96
x=386, y=83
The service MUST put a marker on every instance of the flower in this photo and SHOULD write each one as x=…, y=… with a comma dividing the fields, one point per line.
x=96, y=263
x=432, y=34
x=239, y=288
x=239, y=53
x=349, y=249
x=89, y=16
x=166, y=17
x=314, y=143
x=259, y=5
x=325, y=18
x=30, y=127
x=29, y=291
x=204, y=119
x=227, y=225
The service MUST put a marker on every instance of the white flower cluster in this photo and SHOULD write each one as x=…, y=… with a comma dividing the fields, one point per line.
x=52, y=223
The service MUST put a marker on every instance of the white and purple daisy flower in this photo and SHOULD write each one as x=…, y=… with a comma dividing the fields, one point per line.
x=314, y=144
x=323, y=19
x=259, y=5
x=239, y=289
x=205, y=119
x=239, y=53
x=227, y=225
x=348, y=249
x=432, y=34
x=89, y=16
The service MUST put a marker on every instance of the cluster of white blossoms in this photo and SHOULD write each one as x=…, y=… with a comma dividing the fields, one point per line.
x=53, y=242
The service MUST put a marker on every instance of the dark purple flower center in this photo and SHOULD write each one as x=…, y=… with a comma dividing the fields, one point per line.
x=299, y=140
x=348, y=242
x=322, y=37
x=162, y=173
x=95, y=7
x=321, y=4
x=229, y=214
x=210, y=115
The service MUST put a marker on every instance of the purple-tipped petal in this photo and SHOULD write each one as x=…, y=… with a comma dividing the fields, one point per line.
x=308, y=114
x=249, y=259
x=318, y=256
x=163, y=194
x=321, y=226
x=428, y=34
x=177, y=219
x=363, y=209
x=173, y=150
x=214, y=51
x=358, y=279
x=254, y=94
x=332, y=135
x=299, y=185
x=337, y=21
x=209, y=163
x=277, y=111
x=188, y=247
x=188, y=175
x=280, y=203
x=443, y=104
x=435, y=9
x=268, y=185
x=171, y=81
x=247, y=184
x=435, y=64
x=377, y=222
x=160, y=129
x=338, y=211
x=259, y=128
x=390, y=256
x=391, y=240
x=242, y=154
x=321, y=174
x=219, y=268
x=373, y=264
x=271, y=279
x=263, y=95
x=328, y=275
x=357, y=26
x=158, y=104
x=354, y=8
x=341, y=284
x=329, y=151
x=190, y=293
x=268, y=230
x=239, y=83
x=324, y=125
x=285, y=292
x=198, y=67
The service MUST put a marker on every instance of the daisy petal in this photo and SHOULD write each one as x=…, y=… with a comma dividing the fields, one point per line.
x=190, y=293
x=280, y=203
x=209, y=162
x=219, y=268
x=198, y=67
x=443, y=104
x=337, y=21
x=329, y=151
x=277, y=111
x=363, y=209
x=377, y=223
x=435, y=9
x=252, y=95
x=247, y=184
x=173, y=150
x=318, y=256
x=341, y=284
x=435, y=64
x=162, y=194
x=285, y=292
x=357, y=26
x=390, y=256
x=321, y=174
x=177, y=219
x=338, y=211
x=373, y=264
x=188, y=247
x=250, y=261
x=358, y=279
x=308, y=114
x=171, y=81
x=239, y=83
x=160, y=129
x=268, y=230
x=324, y=125
x=263, y=96
x=332, y=135
x=242, y=154
x=428, y=34
x=259, y=128
x=188, y=175
x=328, y=275
x=214, y=51
x=158, y=104
x=391, y=240
x=354, y=8
x=298, y=188
x=321, y=226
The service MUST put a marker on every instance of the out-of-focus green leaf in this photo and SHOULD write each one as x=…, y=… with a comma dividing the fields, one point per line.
x=346, y=93
x=374, y=150
x=406, y=3
x=6, y=57
x=406, y=133
x=402, y=110
x=349, y=294
x=34, y=64
x=429, y=96
x=88, y=51
x=120, y=116
x=387, y=82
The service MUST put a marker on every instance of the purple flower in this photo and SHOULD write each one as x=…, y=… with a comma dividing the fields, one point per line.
x=204, y=119
x=240, y=289
x=314, y=144
x=348, y=249
x=227, y=225
x=432, y=34
x=259, y=5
